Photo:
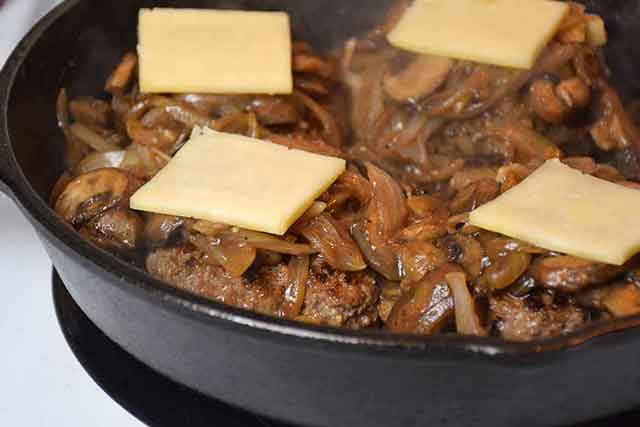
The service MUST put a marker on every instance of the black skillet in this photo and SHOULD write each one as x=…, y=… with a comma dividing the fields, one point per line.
x=308, y=375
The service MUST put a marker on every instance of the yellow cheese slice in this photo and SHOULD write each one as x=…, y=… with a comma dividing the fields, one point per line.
x=561, y=209
x=214, y=51
x=239, y=181
x=509, y=33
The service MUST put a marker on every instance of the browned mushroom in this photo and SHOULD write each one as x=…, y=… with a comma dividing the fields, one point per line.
x=419, y=258
x=574, y=92
x=466, y=251
x=160, y=229
x=426, y=307
x=420, y=79
x=571, y=274
x=95, y=192
x=506, y=269
x=546, y=103
x=118, y=229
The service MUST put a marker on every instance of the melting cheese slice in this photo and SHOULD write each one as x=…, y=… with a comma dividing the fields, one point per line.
x=509, y=33
x=561, y=209
x=214, y=51
x=239, y=181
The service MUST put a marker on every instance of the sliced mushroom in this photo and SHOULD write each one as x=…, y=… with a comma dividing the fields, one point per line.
x=546, y=103
x=419, y=258
x=574, y=92
x=426, y=307
x=160, y=229
x=571, y=274
x=118, y=229
x=420, y=79
x=506, y=269
x=93, y=193
x=466, y=251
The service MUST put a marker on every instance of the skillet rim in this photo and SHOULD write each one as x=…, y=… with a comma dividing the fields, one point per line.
x=138, y=283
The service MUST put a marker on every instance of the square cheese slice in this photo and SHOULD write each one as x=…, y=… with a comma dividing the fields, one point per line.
x=214, y=51
x=510, y=33
x=239, y=181
x=561, y=209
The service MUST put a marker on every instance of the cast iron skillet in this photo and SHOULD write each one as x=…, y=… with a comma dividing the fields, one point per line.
x=308, y=375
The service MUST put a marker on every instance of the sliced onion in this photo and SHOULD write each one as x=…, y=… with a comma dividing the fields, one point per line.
x=330, y=130
x=188, y=116
x=234, y=256
x=97, y=160
x=296, y=290
x=211, y=229
x=467, y=321
x=387, y=211
x=92, y=138
x=378, y=254
x=334, y=242
x=268, y=242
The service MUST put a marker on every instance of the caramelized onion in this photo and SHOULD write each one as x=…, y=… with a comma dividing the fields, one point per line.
x=330, y=130
x=328, y=237
x=97, y=160
x=379, y=255
x=387, y=211
x=467, y=321
x=92, y=138
x=296, y=290
x=268, y=242
x=233, y=255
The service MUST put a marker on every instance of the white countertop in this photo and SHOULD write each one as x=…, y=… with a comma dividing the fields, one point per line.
x=41, y=382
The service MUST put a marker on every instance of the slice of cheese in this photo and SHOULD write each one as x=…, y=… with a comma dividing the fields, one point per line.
x=239, y=181
x=214, y=51
x=509, y=33
x=561, y=209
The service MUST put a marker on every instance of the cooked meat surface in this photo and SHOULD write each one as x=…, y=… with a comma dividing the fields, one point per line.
x=332, y=297
x=517, y=321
